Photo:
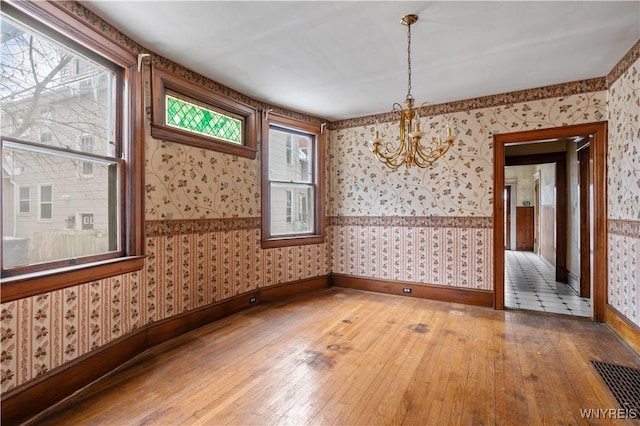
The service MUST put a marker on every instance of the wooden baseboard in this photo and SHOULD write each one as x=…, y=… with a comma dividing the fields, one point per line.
x=466, y=296
x=177, y=325
x=625, y=329
x=24, y=402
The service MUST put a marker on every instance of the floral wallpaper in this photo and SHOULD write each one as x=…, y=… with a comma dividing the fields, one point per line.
x=623, y=186
x=43, y=332
x=624, y=146
x=624, y=276
x=184, y=182
x=456, y=257
x=459, y=184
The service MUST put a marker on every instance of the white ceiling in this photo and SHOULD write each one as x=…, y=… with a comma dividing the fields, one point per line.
x=344, y=59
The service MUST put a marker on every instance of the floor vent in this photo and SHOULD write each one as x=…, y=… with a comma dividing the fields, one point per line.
x=623, y=382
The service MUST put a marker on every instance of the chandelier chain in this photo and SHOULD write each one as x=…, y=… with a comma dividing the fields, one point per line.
x=409, y=61
x=413, y=148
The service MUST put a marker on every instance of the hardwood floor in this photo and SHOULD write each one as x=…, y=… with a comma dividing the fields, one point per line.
x=344, y=356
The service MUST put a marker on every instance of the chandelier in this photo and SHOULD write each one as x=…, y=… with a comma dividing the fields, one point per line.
x=411, y=150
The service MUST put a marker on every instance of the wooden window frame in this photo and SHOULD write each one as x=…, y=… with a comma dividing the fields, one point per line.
x=318, y=236
x=130, y=117
x=164, y=82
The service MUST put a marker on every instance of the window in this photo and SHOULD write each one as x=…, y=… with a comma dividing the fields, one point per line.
x=288, y=150
x=93, y=128
x=24, y=199
x=87, y=220
x=288, y=208
x=86, y=145
x=292, y=192
x=45, y=135
x=190, y=114
x=45, y=212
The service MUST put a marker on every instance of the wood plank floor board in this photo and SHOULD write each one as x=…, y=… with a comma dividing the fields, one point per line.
x=344, y=356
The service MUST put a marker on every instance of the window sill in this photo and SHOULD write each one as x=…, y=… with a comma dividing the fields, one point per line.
x=289, y=241
x=26, y=285
x=171, y=134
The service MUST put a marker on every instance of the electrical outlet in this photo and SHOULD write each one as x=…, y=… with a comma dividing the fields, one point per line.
x=406, y=290
x=253, y=300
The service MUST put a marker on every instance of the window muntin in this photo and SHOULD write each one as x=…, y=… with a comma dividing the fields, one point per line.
x=56, y=96
x=292, y=191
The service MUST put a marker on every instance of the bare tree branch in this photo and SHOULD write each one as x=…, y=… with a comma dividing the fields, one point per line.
x=38, y=89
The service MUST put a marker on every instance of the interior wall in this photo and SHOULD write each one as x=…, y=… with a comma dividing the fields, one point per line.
x=548, y=212
x=523, y=176
x=431, y=226
x=623, y=187
x=423, y=226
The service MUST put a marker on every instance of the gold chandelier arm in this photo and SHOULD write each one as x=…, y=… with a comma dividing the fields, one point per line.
x=391, y=162
x=427, y=155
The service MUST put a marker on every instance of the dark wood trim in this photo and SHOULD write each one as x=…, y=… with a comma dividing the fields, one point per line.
x=467, y=296
x=22, y=403
x=585, y=232
x=561, y=221
x=598, y=178
x=163, y=81
x=525, y=160
x=319, y=189
x=623, y=327
x=27, y=285
x=62, y=20
x=507, y=241
x=498, y=225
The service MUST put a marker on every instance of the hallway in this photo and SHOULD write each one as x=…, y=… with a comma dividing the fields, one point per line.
x=530, y=284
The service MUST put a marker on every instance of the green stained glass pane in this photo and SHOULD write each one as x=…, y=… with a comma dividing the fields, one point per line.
x=195, y=118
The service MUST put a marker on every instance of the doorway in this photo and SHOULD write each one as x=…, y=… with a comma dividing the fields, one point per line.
x=596, y=134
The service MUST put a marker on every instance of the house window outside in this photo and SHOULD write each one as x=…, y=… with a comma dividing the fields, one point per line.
x=291, y=184
x=45, y=212
x=42, y=69
x=46, y=136
x=289, y=149
x=287, y=213
x=87, y=220
x=86, y=145
x=24, y=199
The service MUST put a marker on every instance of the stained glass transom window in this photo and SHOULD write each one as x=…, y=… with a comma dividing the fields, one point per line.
x=198, y=119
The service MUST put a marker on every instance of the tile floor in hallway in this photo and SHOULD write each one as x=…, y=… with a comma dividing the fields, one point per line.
x=529, y=283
